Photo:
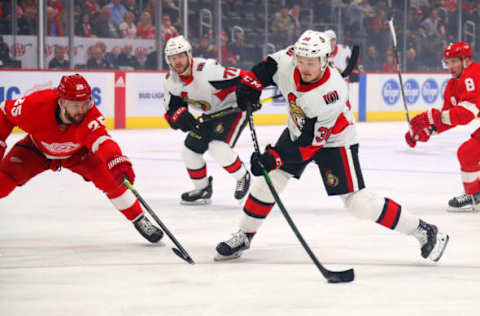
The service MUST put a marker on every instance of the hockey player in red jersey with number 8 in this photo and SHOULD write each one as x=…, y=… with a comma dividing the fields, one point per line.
x=461, y=105
x=320, y=129
x=65, y=130
x=204, y=85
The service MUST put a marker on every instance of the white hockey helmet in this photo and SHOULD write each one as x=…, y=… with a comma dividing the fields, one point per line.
x=313, y=44
x=177, y=45
x=331, y=34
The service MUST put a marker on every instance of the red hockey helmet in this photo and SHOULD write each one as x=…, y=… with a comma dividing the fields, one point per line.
x=74, y=88
x=458, y=49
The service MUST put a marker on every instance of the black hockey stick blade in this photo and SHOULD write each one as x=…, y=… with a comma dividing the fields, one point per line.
x=185, y=257
x=352, y=62
x=340, y=276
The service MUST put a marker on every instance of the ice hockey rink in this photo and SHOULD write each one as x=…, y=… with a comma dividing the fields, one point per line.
x=65, y=250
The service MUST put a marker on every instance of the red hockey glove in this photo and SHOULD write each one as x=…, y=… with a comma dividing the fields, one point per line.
x=248, y=92
x=121, y=167
x=431, y=119
x=3, y=147
x=269, y=160
x=423, y=136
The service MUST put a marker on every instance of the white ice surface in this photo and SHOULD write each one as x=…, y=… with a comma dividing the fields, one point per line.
x=64, y=249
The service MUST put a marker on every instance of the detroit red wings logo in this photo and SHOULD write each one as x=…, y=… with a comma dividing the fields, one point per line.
x=331, y=97
x=60, y=148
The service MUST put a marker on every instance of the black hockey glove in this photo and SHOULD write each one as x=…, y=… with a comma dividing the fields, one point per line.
x=182, y=119
x=306, y=138
x=269, y=160
x=248, y=93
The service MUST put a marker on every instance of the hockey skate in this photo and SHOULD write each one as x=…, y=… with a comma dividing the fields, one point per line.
x=242, y=186
x=433, y=242
x=198, y=196
x=233, y=248
x=147, y=229
x=464, y=203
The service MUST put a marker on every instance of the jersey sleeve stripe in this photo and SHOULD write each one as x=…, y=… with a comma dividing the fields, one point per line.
x=96, y=144
x=470, y=106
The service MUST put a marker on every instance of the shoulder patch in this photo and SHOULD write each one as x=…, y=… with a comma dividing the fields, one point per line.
x=290, y=51
x=200, y=66
x=331, y=97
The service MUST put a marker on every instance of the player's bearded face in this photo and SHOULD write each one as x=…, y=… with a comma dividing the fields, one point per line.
x=455, y=66
x=310, y=68
x=179, y=62
x=75, y=111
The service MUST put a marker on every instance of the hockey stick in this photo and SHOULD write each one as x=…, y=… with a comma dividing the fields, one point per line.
x=331, y=276
x=352, y=62
x=395, y=48
x=182, y=253
x=208, y=117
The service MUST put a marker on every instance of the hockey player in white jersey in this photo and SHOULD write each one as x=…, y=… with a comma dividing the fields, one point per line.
x=340, y=54
x=320, y=129
x=204, y=85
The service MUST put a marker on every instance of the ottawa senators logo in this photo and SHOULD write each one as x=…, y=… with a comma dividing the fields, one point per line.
x=198, y=104
x=219, y=129
x=200, y=66
x=332, y=180
x=296, y=112
x=331, y=97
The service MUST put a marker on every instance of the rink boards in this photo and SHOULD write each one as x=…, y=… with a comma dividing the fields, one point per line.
x=134, y=99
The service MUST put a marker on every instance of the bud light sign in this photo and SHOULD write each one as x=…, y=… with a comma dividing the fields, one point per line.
x=430, y=91
x=412, y=91
x=391, y=92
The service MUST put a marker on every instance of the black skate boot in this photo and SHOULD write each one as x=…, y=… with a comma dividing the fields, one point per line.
x=464, y=203
x=233, y=248
x=196, y=197
x=147, y=230
x=433, y=242
x=242, y=186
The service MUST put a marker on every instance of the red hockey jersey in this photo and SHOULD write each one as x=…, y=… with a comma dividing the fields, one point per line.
x=37, y=114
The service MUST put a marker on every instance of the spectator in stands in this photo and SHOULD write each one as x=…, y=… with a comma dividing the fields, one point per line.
x=126, y=59
x=145, y=28
x=228, y=58
x=294, y=15
x=431, y=24
x=53, y=24
x=282, y=27
x=132, y=7
x=97, y=61
x=371, y=62
x=412, y=61
x=27, y=24
x=93, y=8
x=5, y=59
x=84, y=28
x=104, y=27
x=205, y=50
x=389, y=65
x=127, y=27
x=118, y=11
x=168, y=30
x=238, y=48
x=379, y=29
x=59, y=61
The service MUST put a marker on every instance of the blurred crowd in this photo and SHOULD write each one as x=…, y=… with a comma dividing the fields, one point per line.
x=431, y=24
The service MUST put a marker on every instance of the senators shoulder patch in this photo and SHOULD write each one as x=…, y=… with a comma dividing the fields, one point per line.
x=331, y=97
x=200, y=66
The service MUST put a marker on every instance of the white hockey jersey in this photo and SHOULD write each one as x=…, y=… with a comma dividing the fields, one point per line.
x=209, y=89
x=325, y=100
x=339, y=57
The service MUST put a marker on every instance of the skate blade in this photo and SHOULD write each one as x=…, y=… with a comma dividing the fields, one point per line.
x=197, y=202
x=219, y=257
x=470, y=209
x=438, y=254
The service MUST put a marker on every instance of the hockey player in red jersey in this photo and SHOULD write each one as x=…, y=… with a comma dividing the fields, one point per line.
x=65, y=130
x=206, y=86
x=460, y=106
x=320, y=129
